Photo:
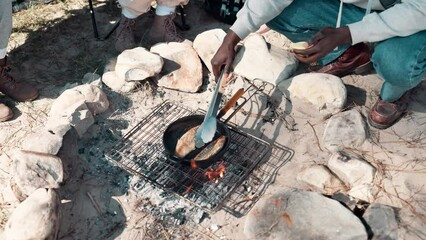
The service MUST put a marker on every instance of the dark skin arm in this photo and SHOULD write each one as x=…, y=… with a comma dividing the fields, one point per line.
x=225, y=54
x=323, y=43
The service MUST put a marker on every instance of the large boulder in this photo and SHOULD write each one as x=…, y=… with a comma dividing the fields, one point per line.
x=117, y=84
x=356, y=173
x=137, y=64
x=345, y=130
x=351, y=168
x=382, y=222
x=182, y=68
x=207, y=43
x=259, y=60
x=43, y=141
x=319, y=178
x=325, y=92
x=34, y=170
x=35, y=218
x=76, y=108
x=95, y=99
x=296, y=214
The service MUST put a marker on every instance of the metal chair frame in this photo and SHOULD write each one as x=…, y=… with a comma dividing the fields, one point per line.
x=95, y=27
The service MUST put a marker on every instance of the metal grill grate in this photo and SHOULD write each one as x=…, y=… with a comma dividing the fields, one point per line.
x=141, y=152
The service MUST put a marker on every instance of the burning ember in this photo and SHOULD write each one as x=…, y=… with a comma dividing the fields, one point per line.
x=215, y=174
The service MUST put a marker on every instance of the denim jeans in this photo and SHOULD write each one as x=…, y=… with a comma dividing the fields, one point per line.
x=399, y=61
x=5, y=25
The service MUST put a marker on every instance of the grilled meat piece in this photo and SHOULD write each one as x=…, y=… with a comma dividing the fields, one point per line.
x=211, y=149
x=186, y=143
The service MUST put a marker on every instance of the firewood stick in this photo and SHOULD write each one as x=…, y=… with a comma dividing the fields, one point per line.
x=95, y=205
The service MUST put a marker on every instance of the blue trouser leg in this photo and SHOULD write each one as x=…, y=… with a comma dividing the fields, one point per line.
x=5, y=22
x=401, y=62
x=302, y=19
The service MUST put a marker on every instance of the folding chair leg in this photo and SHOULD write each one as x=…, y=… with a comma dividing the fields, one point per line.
x=92, y=13
x=95, y=27
x=182, y=26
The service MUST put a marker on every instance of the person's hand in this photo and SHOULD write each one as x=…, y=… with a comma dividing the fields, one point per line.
x=323, y=43
x=225, y=55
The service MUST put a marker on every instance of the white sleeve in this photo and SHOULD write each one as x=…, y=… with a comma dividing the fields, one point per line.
x=401, y=20
x=255, y=13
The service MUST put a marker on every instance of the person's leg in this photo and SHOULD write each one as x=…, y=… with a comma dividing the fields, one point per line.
x=401, y=63
x=19, y=91
x=131, y=9
x=5, y=25
x=5, y=31
x=134, y=8
x=163, y=28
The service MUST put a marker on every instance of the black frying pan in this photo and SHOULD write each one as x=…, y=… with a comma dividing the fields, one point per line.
x=179, y=127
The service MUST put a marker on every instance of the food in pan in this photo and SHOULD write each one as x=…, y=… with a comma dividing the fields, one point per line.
x=186, y=143
x=211, y=149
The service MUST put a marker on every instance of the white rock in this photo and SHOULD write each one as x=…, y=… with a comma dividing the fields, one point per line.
x=326, y=92
x=365, y=192
x=299, y=215
x=137, y=64
x=42, y=141
x=344, y=130
x=259, y=60
x=59, y=125
x=77, y=116
x=75, y=107
x=117, y=84
x=65, y=104
x=207, y=43
x=95, y=99
x=321, y=179
x=351, y=169
x=36, y=170
x=182, y=68
x=35, y=218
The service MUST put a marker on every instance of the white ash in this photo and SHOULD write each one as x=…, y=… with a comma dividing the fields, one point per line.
x=170, y=209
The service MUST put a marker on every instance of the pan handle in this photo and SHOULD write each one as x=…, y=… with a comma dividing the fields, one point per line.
x=231, y=102
x=174, y=158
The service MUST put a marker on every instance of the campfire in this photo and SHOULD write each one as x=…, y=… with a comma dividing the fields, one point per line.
x=207, y=187
x=215, y=174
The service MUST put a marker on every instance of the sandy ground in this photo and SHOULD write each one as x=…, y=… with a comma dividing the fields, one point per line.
x=53, y=46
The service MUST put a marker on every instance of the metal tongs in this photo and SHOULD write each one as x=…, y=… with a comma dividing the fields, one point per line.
x=207, y=130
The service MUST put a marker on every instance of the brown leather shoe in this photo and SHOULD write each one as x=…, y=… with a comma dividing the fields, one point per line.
x=125, y=38
x=5, y=113
x=19, y=91
x=356, y=59
x=385, y=114
x=164, y=30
